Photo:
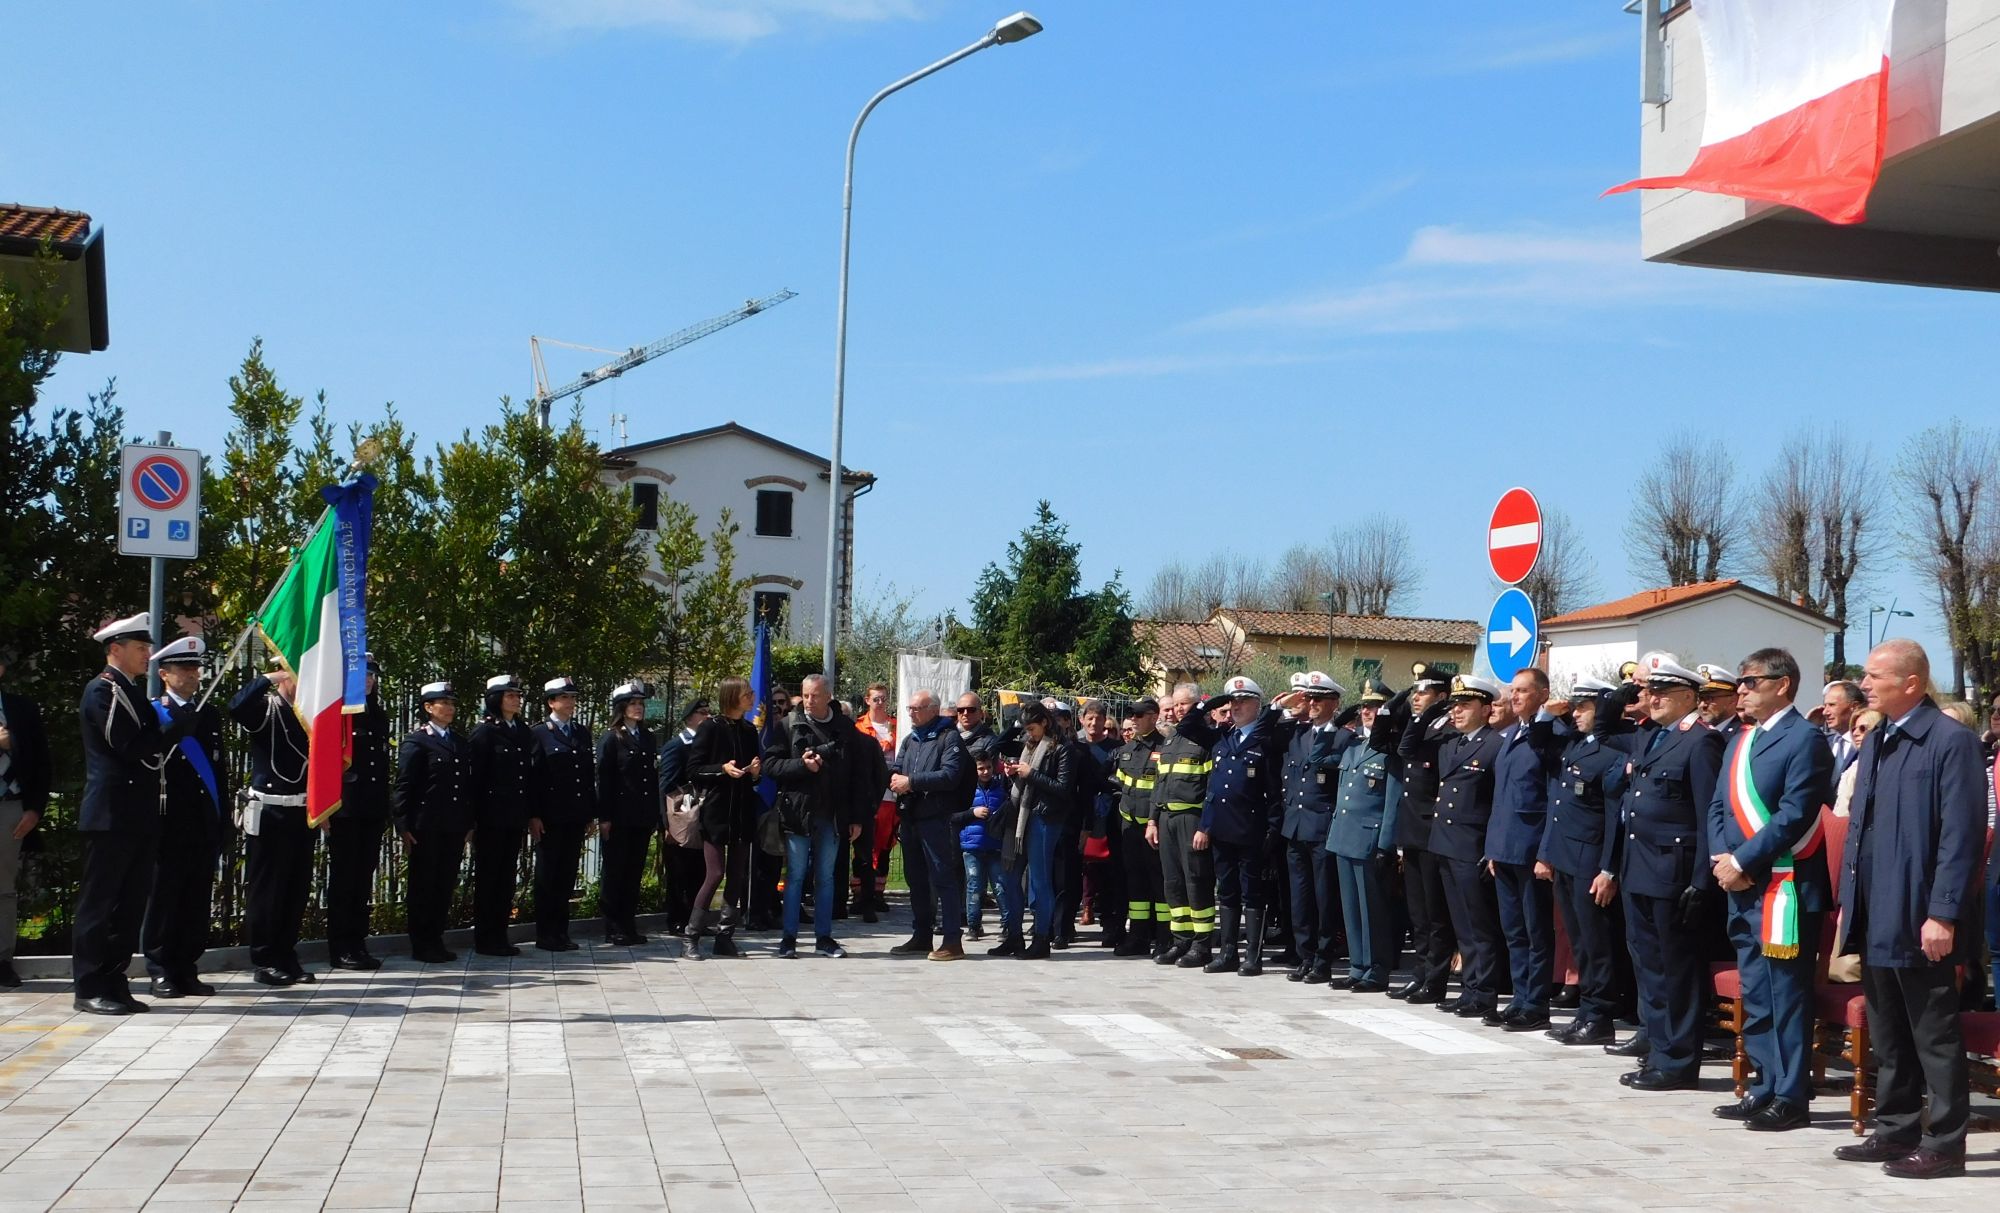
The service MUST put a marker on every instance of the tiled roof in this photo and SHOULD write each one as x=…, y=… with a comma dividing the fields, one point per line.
x=33, y=223
x=1387, y=628
x=1645, y=602
x=853, y=475
x=1178, y=646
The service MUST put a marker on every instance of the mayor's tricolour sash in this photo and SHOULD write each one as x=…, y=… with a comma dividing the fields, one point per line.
x=1780, y=934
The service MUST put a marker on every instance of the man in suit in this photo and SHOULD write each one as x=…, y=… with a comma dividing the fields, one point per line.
x=354, y=835
x=1840, y=703
x=24, y=794
x=1416, y=719
x=1910, y=884
x=1765, y=846
x=1529, y=752
x=1311, y=782
x=174, y=932
x=1464, y=807
x=568, y=795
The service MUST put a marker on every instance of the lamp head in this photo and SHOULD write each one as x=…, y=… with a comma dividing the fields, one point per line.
x=1016, y=27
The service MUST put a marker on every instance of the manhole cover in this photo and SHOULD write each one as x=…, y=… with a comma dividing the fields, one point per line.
x=1255, y=1054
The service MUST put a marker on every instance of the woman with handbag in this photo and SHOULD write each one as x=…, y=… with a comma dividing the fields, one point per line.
x=725, y=761
x=628, y=808
x=1044, y=790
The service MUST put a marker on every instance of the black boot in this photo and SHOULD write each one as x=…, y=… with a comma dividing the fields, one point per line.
x=696, y=917
x=1229, y=925
x=1010, y=945
x=1138, y=941
x=1172, y=949
x=1253, y=949
x=1197, y=954
x=1038, y=950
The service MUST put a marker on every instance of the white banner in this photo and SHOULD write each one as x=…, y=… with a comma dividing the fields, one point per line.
x=945, y=677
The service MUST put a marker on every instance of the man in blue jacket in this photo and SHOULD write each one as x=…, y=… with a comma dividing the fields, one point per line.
x=1242, y=807
x=1910, y=883
x=1529, y=753
x=1310, y=777
x=1767, y=854
x=932, y=779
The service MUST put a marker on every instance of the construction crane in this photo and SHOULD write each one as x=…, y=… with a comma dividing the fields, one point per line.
x=638, y=355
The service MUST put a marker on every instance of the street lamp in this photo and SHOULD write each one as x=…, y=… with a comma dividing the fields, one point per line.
x=1889, y=611
x=1010, y=29
x=1327, y=598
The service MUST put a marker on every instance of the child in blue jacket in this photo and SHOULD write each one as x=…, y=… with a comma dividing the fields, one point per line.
x=980, y=834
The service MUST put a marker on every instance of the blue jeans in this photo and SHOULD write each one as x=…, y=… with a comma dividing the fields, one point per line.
x=1044, y=835
x=822, y=846
x=982, y=870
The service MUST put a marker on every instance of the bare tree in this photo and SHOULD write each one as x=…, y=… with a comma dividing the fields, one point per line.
x=1171, y=595
x=1383, y=571
x=1685, y=524
x=1562, y=578
x=1951, y=477
x=1816, y=524
x=1303, y=575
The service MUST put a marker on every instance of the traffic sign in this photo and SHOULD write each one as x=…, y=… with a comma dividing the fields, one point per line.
x=159, y=502
x=1511, y=629
x=1514, y=536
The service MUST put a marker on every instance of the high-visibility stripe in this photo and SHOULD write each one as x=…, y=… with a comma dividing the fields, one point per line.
x=1135, y=781
x=1139, y=911
x=1204, y=928
x=1180, y=806
x=1179, y=913
x=1160, y=910
x=1187, y=768
x=1198, y=915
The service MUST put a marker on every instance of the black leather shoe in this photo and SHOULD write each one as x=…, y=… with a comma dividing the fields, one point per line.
x=1449, y=1006
x=1660, y=1080
x=167, y=987
x=1925, y=1164
x=1422, y=996
x=1567, y=998
x=1369, y=987
x=100, y=1006
x=1339, y=983
x=1778, y=1116
x=1564, y=1035
x=1319, y=974
x=268, y=976
x=9, y=979
x=1750, y=1105
x=1298, y=972
x=1872, y=1148
x=1496, y=1018
x=569, y=945
x=1634, y=1046
x=916, y=945
x=1472, y=1010
x=1589, y=1032
x=199, y=988
x=1406, y=989
x=355, y=961
x=1526, y=1021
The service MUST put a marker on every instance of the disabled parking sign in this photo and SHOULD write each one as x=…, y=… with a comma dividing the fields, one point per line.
x=159, y=502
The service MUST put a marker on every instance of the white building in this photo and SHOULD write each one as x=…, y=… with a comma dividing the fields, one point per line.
x=1719, y=622
x=774, y=491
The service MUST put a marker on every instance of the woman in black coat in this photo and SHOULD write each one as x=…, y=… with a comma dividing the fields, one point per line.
x=1044, y=797
x=725, y=759
x=628, y=809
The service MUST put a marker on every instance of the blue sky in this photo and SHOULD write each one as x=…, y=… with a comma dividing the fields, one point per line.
x=1206, y=276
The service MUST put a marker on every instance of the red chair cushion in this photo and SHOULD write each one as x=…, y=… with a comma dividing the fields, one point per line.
x=1728, y=982
x=1981, y=1030
x=1841, y=1004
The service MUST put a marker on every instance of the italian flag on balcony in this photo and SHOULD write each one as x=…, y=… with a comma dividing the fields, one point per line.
x=1798, y=108
x=315, y=623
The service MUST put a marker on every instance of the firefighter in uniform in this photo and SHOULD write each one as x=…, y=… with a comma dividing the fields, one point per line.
x=433, y=813
x=502, y=780
x=1187, y=875
x=354, y=835
x=1417, y=718
x=1361, y=839
x=119, y=816
x=1310, y=783
x=1580, y=853
x=1464, y=806
x=568, y=804
x=1132, y=768
x=278, y=852
x=1239, y=814
x=196, y=796
x=1666, y=874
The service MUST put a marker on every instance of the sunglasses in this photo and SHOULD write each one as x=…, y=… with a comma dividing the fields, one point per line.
x=968, y=708
x=1748, y=682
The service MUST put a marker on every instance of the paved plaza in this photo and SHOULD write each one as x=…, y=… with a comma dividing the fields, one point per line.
x=628, y=1080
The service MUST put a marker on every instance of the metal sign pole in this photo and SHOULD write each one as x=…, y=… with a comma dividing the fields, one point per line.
x=157, y=598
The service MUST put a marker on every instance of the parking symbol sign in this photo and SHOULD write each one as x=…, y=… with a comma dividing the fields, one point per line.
x=138, y=528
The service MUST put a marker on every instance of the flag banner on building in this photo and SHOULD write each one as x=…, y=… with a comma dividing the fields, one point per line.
x=316, y=625
x=945, y=677
x=760, y=699
x=1797, y=106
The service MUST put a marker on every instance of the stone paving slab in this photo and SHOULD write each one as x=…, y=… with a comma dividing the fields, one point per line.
x=628, y=1080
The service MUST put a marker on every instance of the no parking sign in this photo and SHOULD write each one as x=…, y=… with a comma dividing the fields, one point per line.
x=159, y=502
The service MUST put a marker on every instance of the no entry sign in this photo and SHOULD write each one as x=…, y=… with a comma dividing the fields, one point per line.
x=1514, y=536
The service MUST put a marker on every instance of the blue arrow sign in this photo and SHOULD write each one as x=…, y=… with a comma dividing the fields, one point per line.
x=1511, y=629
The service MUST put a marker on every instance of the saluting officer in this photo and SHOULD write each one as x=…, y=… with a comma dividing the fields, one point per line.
x=278, y=853
x=1310, y=783
x=354, y=835
x=1187, y=874
x=1464, y=806
x=568, y=770
x=1666, y=874
x=1239, y=813
x=501, y=777
x=1132, y=767
x=1420, y=726
x=433, y=806
x=628, y=811
x=175, y=931
x=1362, y=842
x=119, y=816
x=1581, y=849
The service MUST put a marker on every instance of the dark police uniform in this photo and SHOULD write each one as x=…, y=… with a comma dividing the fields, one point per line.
x=1146, y=906
x=1187, y=877
x=502, y=779
x=1362, y=840
x=1420, y=747
x=354, y=840
x=179, y=908
x=278, y=855
x=1242, y=807
x=433, y=805
x=1310, y=783
x=1582, y=842
x=568, y=771
x=628, y=801
x=1465, y=805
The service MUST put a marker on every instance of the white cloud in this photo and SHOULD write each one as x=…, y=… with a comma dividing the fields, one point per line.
x=1456, y=246
x=708, y=20
x=1364, y=200
x=1144, y=367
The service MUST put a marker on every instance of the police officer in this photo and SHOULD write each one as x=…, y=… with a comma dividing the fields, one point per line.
x=278, y=853
x=1464, y=806
x=1187, y=873
x=433, y=813
x=628, y=811
x=119, y=817
x=1361, y=839
x=1242, y=808
x=568, y=805
x=1581, y=849
x=1309, y=781
x=195, y=777
x=501, y=777
x=1666, y=874
x=1718, y=700
x=354, y=835
x=1417, y=717
x=1132, y=768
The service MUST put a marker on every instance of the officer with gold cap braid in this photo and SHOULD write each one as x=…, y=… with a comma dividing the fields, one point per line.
x=1465, y=805
x=196, y=779
x=1718, y=700
x=1416, y=718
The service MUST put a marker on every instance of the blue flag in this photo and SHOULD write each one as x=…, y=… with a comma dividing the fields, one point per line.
x=760, y=697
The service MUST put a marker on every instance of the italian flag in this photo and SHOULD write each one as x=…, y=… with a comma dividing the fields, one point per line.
x=1797, y=107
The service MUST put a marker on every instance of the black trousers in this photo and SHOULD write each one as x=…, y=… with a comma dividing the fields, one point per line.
x=1668, y=968
x=682, y=871
x=174, y=932
x=110, y=903
x=624, y=868
x=1239, y=875
x=1069, y=880
x=277, y=879
x=1315, y=900
x=431, y=877
x=1475, y=914
x=1596, y=938
x=1431, y=938
x=1111, y=898
x=558, y=855
x=496, y=861
x=857, y=860
x=1913, y=1024
x=765, y=901
x=1145, y=900
x=353, y=853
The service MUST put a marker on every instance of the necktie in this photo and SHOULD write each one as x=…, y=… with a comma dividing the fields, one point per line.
x=1659, y=735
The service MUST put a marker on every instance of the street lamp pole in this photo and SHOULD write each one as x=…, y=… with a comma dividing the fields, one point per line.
x=1012, y=29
